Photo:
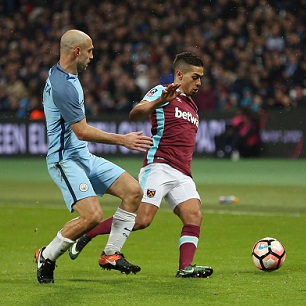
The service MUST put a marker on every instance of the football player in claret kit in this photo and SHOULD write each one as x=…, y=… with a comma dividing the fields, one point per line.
x=166, y=170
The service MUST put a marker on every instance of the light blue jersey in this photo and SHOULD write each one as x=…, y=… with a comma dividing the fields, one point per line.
x=78, y=173
x=63, y=100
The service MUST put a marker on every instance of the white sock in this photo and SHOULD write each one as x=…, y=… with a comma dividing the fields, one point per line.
x=123, y=223
x=58, y=246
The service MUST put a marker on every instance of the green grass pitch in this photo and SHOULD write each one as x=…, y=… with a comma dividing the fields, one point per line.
x=272, y=203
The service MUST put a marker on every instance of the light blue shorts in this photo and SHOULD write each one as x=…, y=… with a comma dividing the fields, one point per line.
x=80, y=179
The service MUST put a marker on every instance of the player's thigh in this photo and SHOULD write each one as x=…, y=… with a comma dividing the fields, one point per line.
x=103, y=174
x=89, y=208
x=156, y=181
x=125, y=186
x=189, y=211
x=72, y=180
x=184, y=191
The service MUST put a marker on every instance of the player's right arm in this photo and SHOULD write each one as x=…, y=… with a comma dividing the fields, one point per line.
x=144, y=108
x=132, y=141
x=67, y=101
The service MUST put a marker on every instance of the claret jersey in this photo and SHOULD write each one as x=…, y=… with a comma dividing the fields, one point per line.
x=174, y=128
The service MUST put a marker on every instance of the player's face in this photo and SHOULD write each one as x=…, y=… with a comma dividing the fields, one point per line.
x=85, y=56
x=191, y=80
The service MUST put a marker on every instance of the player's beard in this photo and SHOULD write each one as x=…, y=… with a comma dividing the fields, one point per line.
x=81, y=67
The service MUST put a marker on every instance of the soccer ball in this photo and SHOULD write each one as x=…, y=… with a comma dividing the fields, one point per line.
x=268, y=254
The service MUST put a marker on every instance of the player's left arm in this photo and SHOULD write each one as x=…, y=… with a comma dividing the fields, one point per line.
x=144, y=108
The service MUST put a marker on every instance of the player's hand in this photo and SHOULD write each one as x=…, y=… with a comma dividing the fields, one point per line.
x=170, y=93
x=134, y=141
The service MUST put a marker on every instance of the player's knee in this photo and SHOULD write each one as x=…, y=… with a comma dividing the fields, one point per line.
x=142, y=223
x=139, y=194
x=191, y=217
x=200, y=217
x=93, y=219
x=136, y=195
x=197, y=217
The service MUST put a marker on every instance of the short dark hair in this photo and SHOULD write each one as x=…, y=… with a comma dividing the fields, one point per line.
x=184, y=59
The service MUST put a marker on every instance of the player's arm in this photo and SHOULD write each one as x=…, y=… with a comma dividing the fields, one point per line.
x=68, y=103
x=144, y=108
x=133, y=141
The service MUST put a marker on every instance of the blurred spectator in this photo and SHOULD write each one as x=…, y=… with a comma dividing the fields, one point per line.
x=206, y=97
x=245, y=140
x=142, y=78
x=91, y=105
x=166, y=71
x=4, y=100
x=14, y=85
x=232, y=103
x=12, y=108
x=257, y=105
x=246, y=100
x=298, y=95
x=36, y=111
x=241, y=136
x=133, y=93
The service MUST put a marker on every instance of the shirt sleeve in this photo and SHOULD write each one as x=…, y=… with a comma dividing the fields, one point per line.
x=67, y=101
x=154, y=93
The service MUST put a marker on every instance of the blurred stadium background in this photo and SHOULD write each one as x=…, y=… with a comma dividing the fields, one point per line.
x=252, y=100
x=252, y=106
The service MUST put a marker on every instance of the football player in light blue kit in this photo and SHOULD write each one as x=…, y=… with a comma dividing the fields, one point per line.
x=80, y=175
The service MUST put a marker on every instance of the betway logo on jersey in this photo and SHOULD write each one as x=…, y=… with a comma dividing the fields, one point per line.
x=187, y=116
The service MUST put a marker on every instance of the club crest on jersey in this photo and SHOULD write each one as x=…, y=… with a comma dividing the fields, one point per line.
x=151, y=92
x=151, y=193
x=83, y=187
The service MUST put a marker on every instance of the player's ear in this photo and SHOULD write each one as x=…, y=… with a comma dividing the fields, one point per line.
x=77, y=51
x=179, y=75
